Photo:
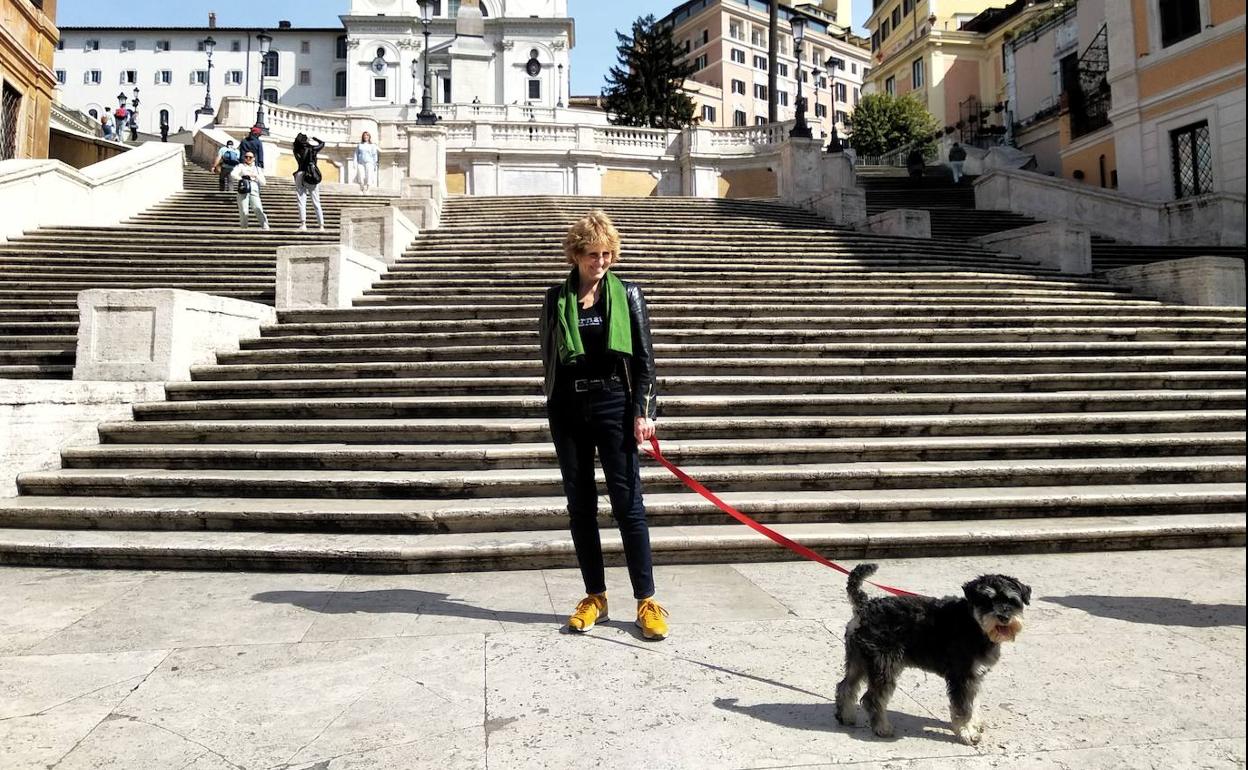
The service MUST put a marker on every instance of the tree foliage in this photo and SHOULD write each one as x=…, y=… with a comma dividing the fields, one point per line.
x=646, y=87
x=884, y=122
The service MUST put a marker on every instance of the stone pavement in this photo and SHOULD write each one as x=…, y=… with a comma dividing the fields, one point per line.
x=1130, y=659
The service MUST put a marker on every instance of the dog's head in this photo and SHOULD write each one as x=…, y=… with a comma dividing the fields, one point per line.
x=997, y=603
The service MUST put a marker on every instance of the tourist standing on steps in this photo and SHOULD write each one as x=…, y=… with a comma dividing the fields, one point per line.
x=247, y=179
x=600, y=395
x=957, y=157
x=915, y=163
x=253, y=145
x=223, y=166
x=308, y=179
x=366, y=159
x=106, y=124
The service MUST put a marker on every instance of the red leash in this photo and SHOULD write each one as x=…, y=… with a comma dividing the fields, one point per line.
x=775, y=536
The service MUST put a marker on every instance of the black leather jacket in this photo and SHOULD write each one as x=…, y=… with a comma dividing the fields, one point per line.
x=637, y=370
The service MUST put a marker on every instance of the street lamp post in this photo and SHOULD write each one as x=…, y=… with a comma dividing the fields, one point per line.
x=801, y=130
x=266, y=43
x=209, y=46
x=134, y=116
x=415, y=74
x=426, y=116
x=560, y=104
x=834, y=142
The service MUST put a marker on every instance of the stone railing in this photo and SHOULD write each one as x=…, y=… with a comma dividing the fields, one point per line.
x=75, y=120
x=1217, y=219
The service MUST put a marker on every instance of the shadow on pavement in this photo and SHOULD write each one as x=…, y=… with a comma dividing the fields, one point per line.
x=820, y=717
x=1155, y=610
x=397, y=600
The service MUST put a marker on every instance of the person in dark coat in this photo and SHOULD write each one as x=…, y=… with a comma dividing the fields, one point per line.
x=915, y=163
x=253, y=145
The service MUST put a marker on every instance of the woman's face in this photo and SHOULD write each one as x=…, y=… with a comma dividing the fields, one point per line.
x=366, y=138
x=593, y=263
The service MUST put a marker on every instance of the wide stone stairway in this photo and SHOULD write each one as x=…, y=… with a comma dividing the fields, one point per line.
x=870, y=396
x=954, y=217
x=191, y=242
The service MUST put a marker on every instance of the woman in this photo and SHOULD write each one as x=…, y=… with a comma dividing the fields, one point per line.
x=308, y=179
x=600, y=394
x=366, y=159
x=247, y=179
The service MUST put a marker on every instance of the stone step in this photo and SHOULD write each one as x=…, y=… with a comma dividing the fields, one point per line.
x=63, y=284
x=534, y=430
x=139, y=240
x=828, y=477
x=51, y=355
x=744, y=367
x=967, y=506
x=448, y=457
x=411, y=276
x=35, y=372
x=418, y=295
x=695, y=385
x=389, y=553
x=481, y=406
x=36, y=342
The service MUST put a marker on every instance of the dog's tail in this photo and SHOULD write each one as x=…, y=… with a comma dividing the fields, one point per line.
x=856, y=595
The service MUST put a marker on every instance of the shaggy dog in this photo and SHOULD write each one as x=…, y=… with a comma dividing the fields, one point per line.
x=958, y=638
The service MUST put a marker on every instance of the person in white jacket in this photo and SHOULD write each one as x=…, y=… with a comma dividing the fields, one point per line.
x=247, y=179
x=367, y=157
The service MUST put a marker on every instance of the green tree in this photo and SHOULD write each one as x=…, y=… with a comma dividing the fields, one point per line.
x=646, y=87
x=884, y=122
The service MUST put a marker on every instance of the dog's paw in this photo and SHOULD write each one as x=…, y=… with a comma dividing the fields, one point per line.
x=847, y=716
x=971, y=733
x=884, y=730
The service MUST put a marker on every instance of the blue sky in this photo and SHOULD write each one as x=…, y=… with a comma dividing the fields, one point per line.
x=596, y=22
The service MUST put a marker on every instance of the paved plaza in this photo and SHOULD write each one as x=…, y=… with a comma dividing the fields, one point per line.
x=1128, y=660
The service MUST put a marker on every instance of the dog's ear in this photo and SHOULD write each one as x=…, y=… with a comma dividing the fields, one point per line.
x=978, y=590
x=1024, y=590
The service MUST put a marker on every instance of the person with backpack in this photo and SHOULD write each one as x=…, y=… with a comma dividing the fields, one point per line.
x=106, y=124
x=957, y=157
x=308, y=179
x=223, y=166
x=121, y=114
x=247, y=179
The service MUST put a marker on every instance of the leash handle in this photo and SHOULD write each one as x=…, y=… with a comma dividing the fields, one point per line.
x=801, y=550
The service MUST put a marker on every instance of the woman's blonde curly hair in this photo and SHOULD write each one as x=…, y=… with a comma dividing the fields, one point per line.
x=593, y=228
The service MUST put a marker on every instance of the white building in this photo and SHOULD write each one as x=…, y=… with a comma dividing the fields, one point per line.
x=488, y=51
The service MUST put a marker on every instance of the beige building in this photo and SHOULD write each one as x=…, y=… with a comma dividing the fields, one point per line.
x=27, y=42
x=727, y=43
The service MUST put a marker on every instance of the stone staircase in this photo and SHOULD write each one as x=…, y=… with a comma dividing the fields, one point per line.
x=191, y=242
x=870, y=396
x=954, y=217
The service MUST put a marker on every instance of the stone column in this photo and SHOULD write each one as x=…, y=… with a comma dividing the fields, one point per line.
x=426, y=153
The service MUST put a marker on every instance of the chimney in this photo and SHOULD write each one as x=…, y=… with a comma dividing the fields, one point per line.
x=283, y=24
x=212, y=20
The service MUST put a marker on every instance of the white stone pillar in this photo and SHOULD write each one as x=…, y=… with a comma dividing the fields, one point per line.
x=329, y=276
x=426, y=153
x=1058, y=245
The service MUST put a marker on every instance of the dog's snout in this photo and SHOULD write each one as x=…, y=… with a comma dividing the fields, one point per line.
x=1004, y=617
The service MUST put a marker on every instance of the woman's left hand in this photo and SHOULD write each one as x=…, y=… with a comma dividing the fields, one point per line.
x=643, y=429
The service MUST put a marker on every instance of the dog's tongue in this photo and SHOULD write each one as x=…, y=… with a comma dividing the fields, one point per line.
x=1005, y=632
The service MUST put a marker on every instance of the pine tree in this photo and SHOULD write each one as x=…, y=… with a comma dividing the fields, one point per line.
x=646, y=87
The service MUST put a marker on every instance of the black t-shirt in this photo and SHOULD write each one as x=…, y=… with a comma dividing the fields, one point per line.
x=597, y=362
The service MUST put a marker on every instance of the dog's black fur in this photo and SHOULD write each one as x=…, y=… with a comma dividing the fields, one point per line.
x=958, y=638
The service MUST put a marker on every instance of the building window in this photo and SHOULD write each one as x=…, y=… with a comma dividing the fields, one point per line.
x=884, y=29
x=737, y=55
x=738, y=86
x=127, y=45
x=916, y=73
x=60, y=76
x=782, y=97
x=340, y=47
x=838, y=64
x=782, y=69
x=890, y=86
x=164, y=77
x=841, y=94
x=816, y=56
x=857, y=95
x=897, y=17
x=162, y=45
x=305, y=77
x=272, y=65
x=757, y=37
x=234, y=78
x=340, y=84
x=706, y=36
x=700, y=62
x=535, y=88
x=708, y=113
x=760, y=91
x=91, y=77
x=738, y=118
x=875, y=41
x=236, y=46
x=60, y=44
x=1192, y=154
x=821, y=82
x=866, y=72
x=199, y=77
x=129, y=77
x=688, y=46
x=380, y=88
x=305, y=46
x=821, y=110
x=736, y=30
x=10, y=112
x=270, y=95
x=760, y=63
x=91, y=45
x=841, y=117
x=760, y=120
x=853, y=68
x=1180, y=19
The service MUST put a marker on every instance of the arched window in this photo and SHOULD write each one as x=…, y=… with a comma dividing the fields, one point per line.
x=164, y=117
x=340, y=47
x=93, y=112
x=270, y=95
x=340, y=84
x=271, y=65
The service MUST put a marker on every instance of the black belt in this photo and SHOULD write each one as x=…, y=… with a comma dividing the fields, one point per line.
x=585, y=386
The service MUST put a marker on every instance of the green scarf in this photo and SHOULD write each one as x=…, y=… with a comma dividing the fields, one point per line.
x=619, y=330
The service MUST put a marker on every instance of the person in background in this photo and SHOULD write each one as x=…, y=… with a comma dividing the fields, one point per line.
x=120, y=116
x=308, y=179
x=106, y=125
x=367, y=157
x=957, y=157
x=164, y=129
x=915, y=163
x=227, y=159
x=247, y=179
x=253, y=145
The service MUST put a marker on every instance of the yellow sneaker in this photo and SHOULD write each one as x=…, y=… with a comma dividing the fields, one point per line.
x=589, y=611
x=650, y=619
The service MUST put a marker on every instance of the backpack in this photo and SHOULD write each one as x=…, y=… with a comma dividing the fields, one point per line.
x=230, y=158
x=312, y=177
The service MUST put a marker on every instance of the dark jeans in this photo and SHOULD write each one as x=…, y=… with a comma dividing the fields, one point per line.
x=223, y=176
x=580, y=423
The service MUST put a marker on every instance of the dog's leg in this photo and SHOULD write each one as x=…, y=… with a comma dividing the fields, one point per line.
x=881, y=681
x=966, y=723
x=847, y=690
